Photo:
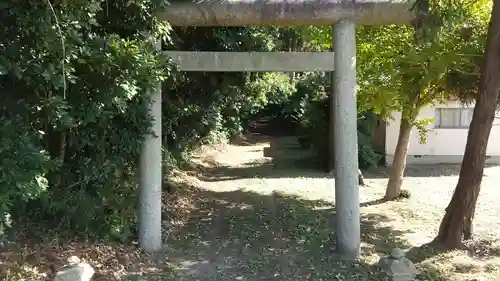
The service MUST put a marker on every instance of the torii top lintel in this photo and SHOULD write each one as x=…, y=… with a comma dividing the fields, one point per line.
x=287, y=12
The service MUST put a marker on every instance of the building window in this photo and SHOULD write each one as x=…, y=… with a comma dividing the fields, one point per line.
x=453, y=117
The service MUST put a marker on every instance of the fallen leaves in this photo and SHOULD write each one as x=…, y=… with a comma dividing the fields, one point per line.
x=39, y=259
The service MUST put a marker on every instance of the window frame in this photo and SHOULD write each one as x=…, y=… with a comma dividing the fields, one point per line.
x=438, y=114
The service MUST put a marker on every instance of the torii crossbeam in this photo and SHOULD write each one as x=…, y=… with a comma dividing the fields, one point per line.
x=343, y=15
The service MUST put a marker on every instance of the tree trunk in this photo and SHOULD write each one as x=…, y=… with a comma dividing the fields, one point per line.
x=399, y=162
x=457, y=221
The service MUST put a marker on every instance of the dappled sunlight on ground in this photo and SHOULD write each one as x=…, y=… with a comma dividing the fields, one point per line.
x=257, y=212
x=277, y=221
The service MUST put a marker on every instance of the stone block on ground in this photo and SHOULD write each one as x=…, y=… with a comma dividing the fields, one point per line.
x=397, y=266
x=75, y=271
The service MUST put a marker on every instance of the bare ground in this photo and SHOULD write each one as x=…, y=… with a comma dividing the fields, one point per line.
x=252, y=217
x=259, y=218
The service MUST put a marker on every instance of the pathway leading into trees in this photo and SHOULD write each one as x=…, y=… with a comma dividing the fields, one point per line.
x=272, y=218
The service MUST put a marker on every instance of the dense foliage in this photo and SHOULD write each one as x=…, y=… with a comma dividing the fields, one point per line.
x=75, y=82
x=309, y=108
x=74, y=90
x=76, y=76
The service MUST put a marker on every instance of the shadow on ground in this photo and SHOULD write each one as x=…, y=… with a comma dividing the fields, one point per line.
x=265, y=170
x=286, y=159
x=249, y=139
x=423, y=171
x=482, y=249
x=309, y=167
x=241, y=235
x=282, y=158
x=414, y=170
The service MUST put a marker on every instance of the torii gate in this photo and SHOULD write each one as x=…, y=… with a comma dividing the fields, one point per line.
x=343, y=15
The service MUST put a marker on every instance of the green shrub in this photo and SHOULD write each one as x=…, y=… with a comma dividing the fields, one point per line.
x=310, y=106
x=72, y=130
x=73, y=119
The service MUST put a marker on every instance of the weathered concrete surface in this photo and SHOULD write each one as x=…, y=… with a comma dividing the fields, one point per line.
x=151, y=178
x=346, y=140
x=286, y=12
x=252, y=61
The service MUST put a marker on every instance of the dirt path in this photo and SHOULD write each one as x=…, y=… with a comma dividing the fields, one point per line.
x=258, y=219
x=247, y=228
x=262, y=211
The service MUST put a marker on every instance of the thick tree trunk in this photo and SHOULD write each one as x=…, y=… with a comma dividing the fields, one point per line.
x=399, y=162
x=457, y=221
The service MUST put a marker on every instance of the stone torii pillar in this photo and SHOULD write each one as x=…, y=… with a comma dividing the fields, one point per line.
x=343, y=15
x=345, y=139
x=151, y=176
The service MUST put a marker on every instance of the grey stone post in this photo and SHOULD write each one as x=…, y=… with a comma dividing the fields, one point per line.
x=397, y=266
x=346, y=140
x=151, y=178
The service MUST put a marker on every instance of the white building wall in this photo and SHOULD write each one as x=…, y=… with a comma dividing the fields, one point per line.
x=443, y=145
